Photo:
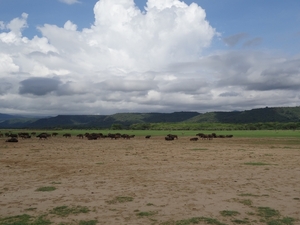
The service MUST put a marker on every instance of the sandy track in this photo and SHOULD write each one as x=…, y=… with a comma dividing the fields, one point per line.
x=174, y=180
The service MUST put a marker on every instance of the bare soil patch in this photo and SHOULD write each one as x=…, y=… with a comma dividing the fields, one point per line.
x=151, y=181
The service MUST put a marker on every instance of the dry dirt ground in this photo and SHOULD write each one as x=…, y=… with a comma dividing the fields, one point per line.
x=151, y=181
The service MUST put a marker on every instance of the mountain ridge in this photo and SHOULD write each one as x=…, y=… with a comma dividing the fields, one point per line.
x=125, y=120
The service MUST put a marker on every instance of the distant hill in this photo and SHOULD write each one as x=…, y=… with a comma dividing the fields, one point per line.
x=261, y=115
x=125, y=120
x=4, y=117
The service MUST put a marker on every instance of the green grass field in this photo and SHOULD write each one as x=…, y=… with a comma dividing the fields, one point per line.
x=187, y=133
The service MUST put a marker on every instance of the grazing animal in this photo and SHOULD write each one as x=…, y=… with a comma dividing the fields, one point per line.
x=42, y=136
x=79, y=135
x=92, y=137
x=194, y=139
x=12, y=139
x=169, y=138
x=173, y=136
x=67, y=135
x=200, y=135
x=148, y=136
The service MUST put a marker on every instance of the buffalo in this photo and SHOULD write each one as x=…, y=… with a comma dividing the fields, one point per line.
x=194, y=139
x=12, y=139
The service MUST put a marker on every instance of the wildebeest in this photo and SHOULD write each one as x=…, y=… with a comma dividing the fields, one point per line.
x=194, y=139
x=148, y=136
x=54, y=134
x=79, y=135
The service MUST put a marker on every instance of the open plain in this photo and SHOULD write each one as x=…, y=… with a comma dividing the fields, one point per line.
x=150, y=181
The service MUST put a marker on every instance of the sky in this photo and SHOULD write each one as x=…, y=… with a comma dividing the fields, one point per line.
x=100, y=57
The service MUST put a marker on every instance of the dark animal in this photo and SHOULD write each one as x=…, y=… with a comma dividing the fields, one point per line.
x=173, y=136
x=169, y=138
x=67, y=135
x=194, y=139
x=148, y=136
x=92, y=137
x=12, y=140
x=42, y=136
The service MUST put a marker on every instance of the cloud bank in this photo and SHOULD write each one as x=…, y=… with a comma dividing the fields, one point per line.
x=130, y=60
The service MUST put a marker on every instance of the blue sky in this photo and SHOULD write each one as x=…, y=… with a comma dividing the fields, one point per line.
x=241, y=53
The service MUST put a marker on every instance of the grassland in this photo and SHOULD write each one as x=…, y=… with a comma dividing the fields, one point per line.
x=225, y=181
x=183, y=133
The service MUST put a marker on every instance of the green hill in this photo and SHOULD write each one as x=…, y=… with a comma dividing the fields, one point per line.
x=262, y=115
x=127, y=120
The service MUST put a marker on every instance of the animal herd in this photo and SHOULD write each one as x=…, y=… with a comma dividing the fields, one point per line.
x=94, y=136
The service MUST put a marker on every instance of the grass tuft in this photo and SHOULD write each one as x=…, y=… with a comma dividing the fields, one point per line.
x=120, y=199
x=50, y=188
x=90, y=222
x=24, y=219
x=150, y=213
x=229, y=213
x=65, y=210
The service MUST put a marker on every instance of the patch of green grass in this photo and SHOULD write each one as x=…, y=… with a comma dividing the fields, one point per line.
x=30, y=209
x=65, y=210
x=237, y=221
x=150, y=213
x=50, y=188
x=40, y=221
x=229, y=213
x=247, y=202
x=120, y=199
x=24, y=219
x=196, y=220
x=90, y=222
x=19, y=219
x=267, y=212
x=283, y=221
x=257, y=164
x=100, y=163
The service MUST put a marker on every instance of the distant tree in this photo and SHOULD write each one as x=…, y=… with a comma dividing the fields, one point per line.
x=116, y=127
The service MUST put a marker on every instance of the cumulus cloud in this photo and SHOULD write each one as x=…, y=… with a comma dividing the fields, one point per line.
x=133, y=60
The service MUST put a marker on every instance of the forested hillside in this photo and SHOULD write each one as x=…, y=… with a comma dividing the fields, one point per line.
x=182, y=120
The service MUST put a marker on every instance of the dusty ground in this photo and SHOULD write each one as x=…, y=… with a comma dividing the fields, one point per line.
x=152, y=181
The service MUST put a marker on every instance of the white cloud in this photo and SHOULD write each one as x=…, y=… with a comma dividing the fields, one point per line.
x=130, y=60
